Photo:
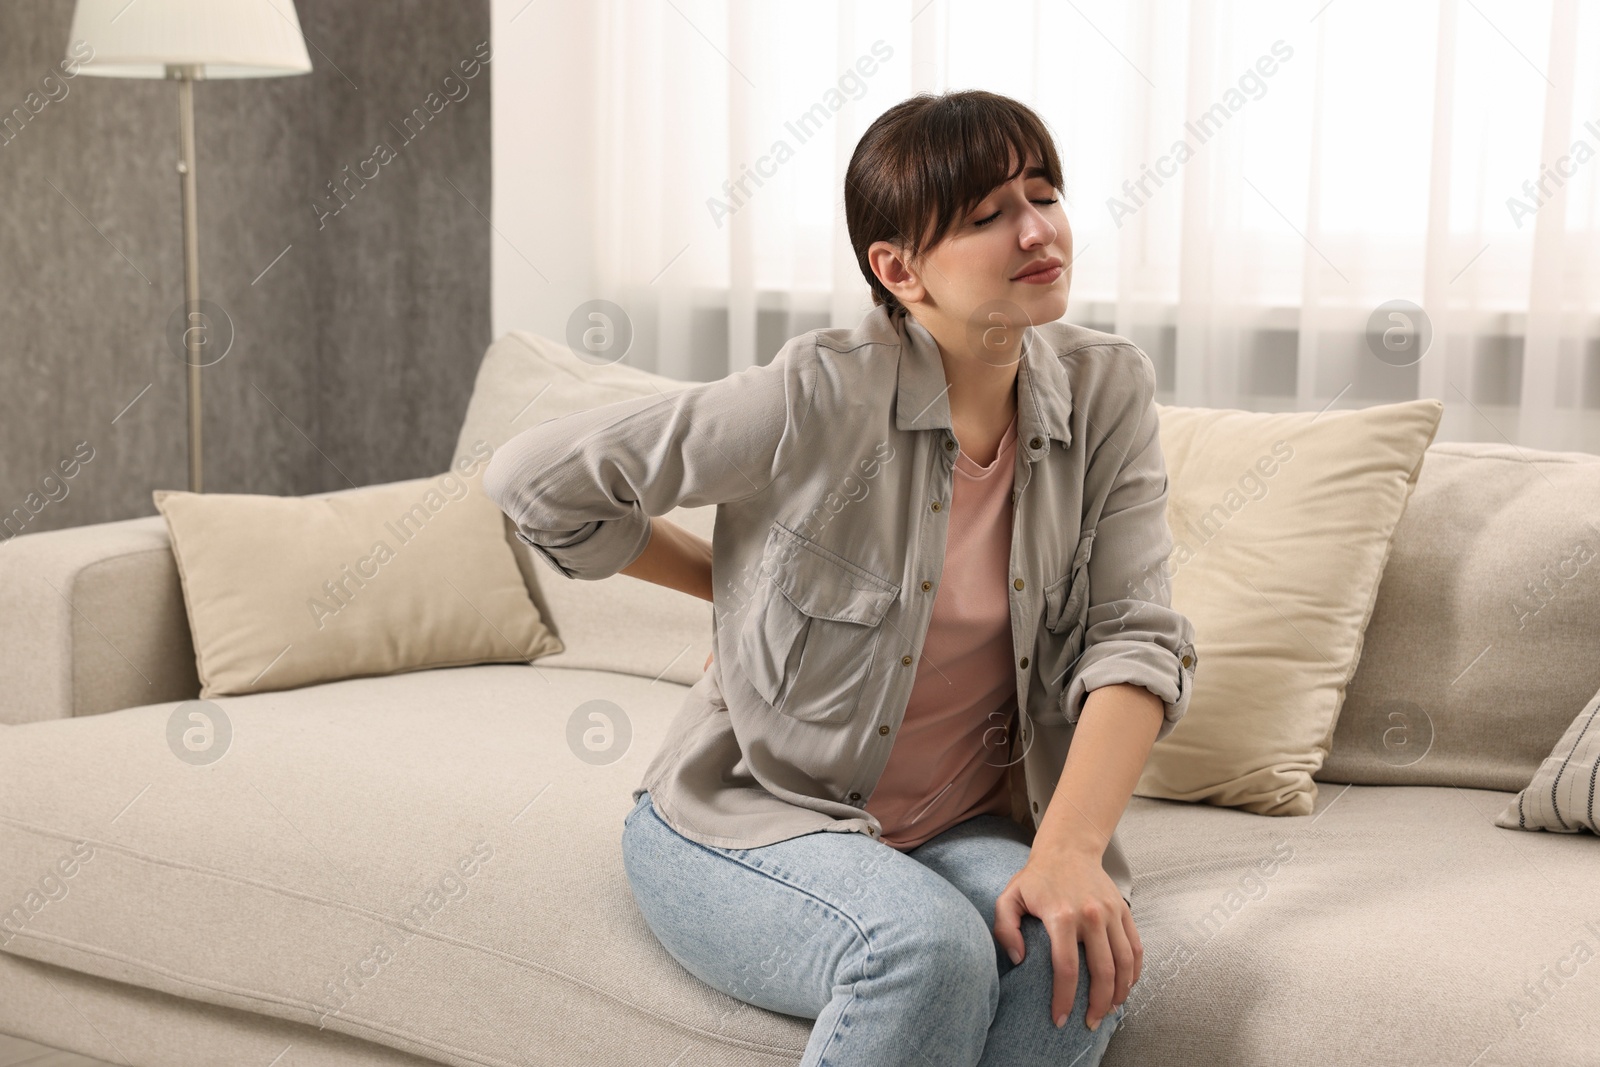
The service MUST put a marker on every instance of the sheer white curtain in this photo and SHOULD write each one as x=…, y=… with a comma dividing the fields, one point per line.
x=1250, y=183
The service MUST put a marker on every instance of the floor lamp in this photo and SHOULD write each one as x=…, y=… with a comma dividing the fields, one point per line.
x=188, y=41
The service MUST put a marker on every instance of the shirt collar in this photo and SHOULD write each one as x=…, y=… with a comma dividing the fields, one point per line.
x=1044, y=394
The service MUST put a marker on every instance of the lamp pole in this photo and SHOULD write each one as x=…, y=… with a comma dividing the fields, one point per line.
x=194, y=328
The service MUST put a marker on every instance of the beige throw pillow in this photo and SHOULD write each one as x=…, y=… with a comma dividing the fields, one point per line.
x=620, y=623
x=288, y=591
x=1561, y=796
x=1281, y=525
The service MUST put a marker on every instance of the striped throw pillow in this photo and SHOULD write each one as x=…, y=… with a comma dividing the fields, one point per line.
x=1561, y=796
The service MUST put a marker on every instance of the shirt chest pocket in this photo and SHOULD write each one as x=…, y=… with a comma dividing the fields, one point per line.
x=1066, y=611
x=810, y=636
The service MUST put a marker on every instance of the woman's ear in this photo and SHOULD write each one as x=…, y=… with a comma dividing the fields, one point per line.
x=889, y=263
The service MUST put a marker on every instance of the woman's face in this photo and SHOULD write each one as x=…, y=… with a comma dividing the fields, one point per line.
x=974, y=273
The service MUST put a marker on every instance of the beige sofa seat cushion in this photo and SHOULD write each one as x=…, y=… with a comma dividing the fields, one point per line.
x=454, y=816
x=1281, y=523
x=1392, y=925
x=1482, y=645
x=620, y=623
x=287, y=591
x=1381, y=935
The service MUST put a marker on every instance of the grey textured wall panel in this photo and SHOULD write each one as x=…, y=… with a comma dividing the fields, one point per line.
x=353, y=355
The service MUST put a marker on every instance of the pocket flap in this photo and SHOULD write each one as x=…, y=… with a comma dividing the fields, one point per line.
x=826, y=586
x=1064, y=600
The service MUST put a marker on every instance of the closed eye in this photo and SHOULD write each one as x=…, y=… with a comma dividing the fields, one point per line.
x=991, y=218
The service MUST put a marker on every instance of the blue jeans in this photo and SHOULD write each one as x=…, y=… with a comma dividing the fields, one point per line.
x=892, y=953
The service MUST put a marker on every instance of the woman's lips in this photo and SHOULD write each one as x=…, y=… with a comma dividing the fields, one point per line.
x=1041, y=277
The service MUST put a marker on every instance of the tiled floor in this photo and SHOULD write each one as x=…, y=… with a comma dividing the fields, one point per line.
x=15, y=1052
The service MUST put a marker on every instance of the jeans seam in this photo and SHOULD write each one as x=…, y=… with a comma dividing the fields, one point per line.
x=822, y=1059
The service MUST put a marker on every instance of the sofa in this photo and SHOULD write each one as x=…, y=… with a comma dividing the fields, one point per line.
x=211, y=911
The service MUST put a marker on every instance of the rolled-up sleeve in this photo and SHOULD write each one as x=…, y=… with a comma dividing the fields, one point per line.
x=581, y=488
x=1133, y=633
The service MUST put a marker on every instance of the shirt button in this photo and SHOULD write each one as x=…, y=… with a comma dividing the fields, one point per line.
x=929, y=585
x=949, y=444
x=883, y=729
x=855, y=796
x=937, y=506
x=1187, y=661
x=1035, y=805
x=905, y=661
x=1017, y=583
x=1024, y=662
x=1035, y=443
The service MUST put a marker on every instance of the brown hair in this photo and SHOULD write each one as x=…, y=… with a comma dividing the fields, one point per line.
x=935, y=157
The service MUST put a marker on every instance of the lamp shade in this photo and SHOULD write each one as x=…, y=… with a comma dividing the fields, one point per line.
x=225, y=38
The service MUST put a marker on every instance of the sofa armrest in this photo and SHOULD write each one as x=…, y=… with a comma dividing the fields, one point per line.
x=94, y=622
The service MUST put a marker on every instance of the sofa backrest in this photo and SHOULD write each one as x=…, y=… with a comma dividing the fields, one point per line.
x=1482, y=644
x=1476, y=658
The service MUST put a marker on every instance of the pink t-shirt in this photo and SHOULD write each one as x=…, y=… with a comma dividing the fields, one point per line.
x=948, y=762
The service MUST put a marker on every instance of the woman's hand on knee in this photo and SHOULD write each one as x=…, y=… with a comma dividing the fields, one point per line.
x=1077, y=901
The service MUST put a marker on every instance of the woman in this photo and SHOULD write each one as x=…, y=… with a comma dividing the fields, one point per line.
x=939, y=553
